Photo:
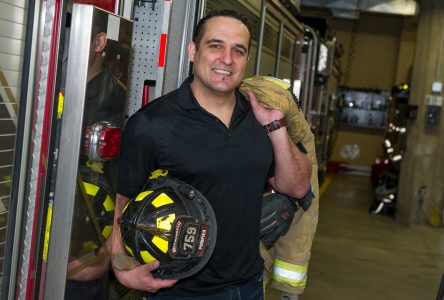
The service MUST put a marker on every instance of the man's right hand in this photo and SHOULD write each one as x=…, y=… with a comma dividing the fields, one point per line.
x=140, y=278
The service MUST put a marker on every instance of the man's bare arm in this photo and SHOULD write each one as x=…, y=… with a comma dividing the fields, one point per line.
x=292, y=168
x=292, y=171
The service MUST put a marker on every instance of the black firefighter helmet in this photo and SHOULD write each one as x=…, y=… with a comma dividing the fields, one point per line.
x=172, y=222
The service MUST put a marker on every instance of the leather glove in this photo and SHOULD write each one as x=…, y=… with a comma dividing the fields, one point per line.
x=274, y=93
x=277, y=214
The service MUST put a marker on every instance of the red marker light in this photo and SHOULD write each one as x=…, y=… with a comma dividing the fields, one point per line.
x=109, y=143
x=102, y=141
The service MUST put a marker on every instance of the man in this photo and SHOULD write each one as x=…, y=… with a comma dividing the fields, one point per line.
x=209, y=136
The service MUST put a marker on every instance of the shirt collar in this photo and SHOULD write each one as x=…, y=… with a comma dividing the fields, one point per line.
x=186, y=98
x=188, y=102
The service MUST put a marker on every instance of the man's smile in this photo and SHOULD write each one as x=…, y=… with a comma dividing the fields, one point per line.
x=222, y=72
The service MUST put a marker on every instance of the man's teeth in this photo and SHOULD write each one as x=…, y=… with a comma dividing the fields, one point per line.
x=222, y=72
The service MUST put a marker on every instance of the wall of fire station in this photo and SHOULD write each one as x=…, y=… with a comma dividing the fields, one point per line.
x=421, y=188
x=378, y=53
x=12, y=39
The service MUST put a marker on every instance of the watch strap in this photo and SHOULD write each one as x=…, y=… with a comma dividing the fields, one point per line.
x=274, y=125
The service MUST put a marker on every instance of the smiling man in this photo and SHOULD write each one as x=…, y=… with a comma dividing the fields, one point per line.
x=208, y=135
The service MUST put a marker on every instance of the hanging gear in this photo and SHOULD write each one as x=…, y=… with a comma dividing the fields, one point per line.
x=286, y=262
x=273, y=93
x=172, y=222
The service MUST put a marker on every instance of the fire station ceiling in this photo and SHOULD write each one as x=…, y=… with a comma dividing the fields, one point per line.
x=351, y=8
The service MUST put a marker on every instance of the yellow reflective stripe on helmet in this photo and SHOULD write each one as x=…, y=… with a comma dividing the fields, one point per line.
x=142, y=195
x=125, y=207
x=165, y=222
x=290, y=274
x=89, y=245
x=160, y=243
x=95, y=166
x=146, y=256
x=161, y=200
x=128, y=249
x=91, y=189
x=108, y=204
x=106, y=232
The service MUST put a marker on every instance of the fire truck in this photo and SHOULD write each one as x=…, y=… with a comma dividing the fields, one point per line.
x=72, y=72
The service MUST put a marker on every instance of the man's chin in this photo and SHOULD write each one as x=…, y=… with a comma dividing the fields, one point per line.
x=224, y=90
x=227, y=86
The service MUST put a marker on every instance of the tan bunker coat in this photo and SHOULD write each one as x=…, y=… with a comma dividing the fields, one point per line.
x=286, y=262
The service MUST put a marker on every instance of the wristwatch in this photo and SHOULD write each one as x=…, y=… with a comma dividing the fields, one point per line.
x=274, y=125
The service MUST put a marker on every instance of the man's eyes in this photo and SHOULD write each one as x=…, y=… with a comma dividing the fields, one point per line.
x=240, y=52
x=216, y=46
x=237, y=51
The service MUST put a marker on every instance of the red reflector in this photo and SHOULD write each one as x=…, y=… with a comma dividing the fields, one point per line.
x=109, y=143
x=101, y=141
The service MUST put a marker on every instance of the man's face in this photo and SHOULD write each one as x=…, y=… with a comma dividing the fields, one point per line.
x=221, y=58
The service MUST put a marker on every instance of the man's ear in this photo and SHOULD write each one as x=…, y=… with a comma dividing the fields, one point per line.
x=100, y=42
x=191, y=51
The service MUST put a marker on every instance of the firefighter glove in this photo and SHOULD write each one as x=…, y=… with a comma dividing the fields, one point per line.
x=277, y=214
x=273, y=93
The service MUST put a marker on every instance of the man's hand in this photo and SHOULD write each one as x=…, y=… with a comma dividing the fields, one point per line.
x=263, y=115
x=140, y=278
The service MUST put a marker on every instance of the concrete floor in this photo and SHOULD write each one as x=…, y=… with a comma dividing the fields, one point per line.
x=360, y=256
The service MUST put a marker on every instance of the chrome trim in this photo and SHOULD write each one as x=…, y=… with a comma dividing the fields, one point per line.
x=82, y=17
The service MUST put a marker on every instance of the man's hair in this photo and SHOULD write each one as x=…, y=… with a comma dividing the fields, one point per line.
x=100, y=23
x=200, y=28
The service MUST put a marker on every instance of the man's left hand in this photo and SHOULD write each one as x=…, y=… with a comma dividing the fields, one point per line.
x=263, y=115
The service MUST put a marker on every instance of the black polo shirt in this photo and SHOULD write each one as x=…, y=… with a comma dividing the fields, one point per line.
x=227, y=165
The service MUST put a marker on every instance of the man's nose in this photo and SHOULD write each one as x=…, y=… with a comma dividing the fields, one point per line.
x=227, y=57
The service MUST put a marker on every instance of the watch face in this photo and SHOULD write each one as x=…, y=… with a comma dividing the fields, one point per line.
x=276, y=124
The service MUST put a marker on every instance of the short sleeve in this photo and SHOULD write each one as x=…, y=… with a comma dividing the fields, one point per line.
x=137, y=155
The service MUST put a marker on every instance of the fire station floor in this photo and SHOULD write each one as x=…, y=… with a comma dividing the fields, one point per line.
x=358, y=256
